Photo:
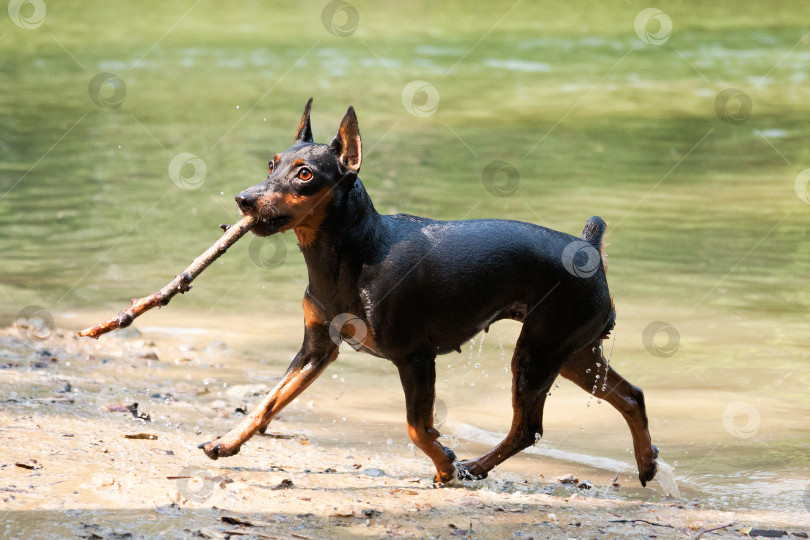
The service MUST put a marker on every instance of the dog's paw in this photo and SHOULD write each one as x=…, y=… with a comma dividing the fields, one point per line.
x=444, y=479
x=215, y=450
x=648, y=470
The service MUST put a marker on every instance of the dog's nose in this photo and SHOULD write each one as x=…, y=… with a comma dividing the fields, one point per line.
x=245, y=201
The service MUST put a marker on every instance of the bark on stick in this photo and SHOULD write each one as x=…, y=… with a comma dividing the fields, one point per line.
x=179, y=284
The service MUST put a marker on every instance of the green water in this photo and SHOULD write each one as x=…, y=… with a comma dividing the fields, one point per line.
x=706, y=229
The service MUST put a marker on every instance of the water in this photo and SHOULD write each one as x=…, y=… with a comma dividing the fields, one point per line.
x=706, y=231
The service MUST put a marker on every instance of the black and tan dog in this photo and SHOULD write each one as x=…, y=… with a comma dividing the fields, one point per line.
x=416, y=288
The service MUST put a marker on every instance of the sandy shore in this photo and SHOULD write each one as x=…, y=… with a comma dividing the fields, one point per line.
x=79, y=460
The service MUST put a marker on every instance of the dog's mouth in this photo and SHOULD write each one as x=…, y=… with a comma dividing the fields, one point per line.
x=271, y=225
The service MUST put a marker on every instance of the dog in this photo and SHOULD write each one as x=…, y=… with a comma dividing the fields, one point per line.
x=408, y=289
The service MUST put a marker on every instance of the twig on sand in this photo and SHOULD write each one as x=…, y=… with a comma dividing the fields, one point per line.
x=701, y=533
x=641, y=521
x=179, y=284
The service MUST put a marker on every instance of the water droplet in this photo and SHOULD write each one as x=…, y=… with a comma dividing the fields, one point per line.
x=588, y=370
x=334, y=376
x=477, y=365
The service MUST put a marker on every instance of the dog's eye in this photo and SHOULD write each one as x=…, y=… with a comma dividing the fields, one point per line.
x=305, y=174
x=270, y=166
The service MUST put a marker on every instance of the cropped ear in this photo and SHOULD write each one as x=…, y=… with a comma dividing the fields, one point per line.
x=304, y=133
x=347, y=144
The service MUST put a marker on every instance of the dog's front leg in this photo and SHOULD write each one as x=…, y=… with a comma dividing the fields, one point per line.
x=317, y=352
x=418, y=377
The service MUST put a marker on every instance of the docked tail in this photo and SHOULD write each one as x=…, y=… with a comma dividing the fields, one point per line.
x=592, y=233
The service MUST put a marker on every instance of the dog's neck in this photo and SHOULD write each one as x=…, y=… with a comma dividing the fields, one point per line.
x=348, y=235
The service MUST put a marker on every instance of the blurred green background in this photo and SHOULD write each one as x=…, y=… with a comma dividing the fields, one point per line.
x=600, y=108
x=594, y=119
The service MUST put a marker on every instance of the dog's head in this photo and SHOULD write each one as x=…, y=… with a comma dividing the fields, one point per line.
x=303, y=180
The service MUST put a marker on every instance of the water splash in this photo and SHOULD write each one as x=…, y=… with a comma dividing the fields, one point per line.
x=666, y=478
x=607, y=361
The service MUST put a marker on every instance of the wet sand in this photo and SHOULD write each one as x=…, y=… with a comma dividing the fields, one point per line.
x=79, y=460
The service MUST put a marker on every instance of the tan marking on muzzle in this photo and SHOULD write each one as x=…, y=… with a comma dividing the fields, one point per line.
x=308, y=212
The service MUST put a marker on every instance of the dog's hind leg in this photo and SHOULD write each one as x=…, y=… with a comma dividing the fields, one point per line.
x=535, y=365
x=582, y=369
x=418, y=377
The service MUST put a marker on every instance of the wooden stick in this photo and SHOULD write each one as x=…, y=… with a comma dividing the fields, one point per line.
x=179, y=284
